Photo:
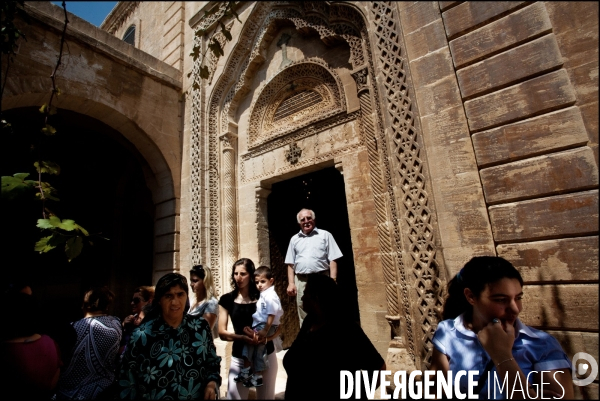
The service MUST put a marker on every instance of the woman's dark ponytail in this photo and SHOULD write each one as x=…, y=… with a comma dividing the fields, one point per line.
x=456, y=303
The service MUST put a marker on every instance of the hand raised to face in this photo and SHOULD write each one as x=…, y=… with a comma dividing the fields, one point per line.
x=497, y=339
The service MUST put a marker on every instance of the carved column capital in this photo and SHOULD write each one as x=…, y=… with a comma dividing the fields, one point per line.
x=361, y=77
x=228, y=141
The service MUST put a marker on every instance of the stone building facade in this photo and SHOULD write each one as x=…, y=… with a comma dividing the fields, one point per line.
x=455, y=129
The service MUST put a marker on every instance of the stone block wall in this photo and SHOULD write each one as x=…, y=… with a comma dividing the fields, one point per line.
x=518, y=84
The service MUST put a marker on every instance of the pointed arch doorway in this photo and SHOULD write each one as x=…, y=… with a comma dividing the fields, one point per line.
x=323, y=192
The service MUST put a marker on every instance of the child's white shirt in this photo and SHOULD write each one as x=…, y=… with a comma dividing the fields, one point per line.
x=268, y=304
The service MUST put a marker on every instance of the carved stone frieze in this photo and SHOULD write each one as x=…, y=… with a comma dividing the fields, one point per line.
x=301, y=133
x=310, y=75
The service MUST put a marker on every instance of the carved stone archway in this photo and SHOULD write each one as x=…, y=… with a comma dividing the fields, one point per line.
x=406, y=235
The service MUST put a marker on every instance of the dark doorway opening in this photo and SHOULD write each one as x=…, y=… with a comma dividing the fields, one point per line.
x=102, y=187
x=323, y=192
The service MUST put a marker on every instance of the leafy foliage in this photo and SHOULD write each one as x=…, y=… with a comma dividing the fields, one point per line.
x=15, y=186
x=65, y=233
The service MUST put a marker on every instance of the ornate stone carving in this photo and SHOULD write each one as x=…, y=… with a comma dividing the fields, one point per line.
x=202, y=21
x=118, y=16
x=204, y=177
x=296, y=103
x=311, y=75
x=230, y=246
x=293, y=154
x=212, y=62
x=419, y=247
x=333, y=22
x=294, y=137
x=361, y=77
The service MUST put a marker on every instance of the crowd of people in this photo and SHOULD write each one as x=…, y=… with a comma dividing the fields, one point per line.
x=165, y=349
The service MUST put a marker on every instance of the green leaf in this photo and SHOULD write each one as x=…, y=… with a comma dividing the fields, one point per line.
x=44, y=223
x=42, y=245
x=68, y=225
x=48, y=130
x=10, y=183
x=73, y=247
x=82, y=230
x=16, y=185
x=52, y=222
x=47, y=167
x=48, y=191
x=21, y=176
x=48, y=243
x=43, y=108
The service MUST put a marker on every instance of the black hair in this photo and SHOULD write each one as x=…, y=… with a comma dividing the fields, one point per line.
x=165, y=283
x=19, y=316
x=98, y=299
x=198, y=270
x=248, y=264
x=260, y=270
x=146, y=291
x=475, y=275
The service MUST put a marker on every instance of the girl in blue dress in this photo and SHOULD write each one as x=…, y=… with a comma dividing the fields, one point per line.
x=482, y=332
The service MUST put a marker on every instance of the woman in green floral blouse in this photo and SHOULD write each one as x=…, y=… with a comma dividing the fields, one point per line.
x=171, y=355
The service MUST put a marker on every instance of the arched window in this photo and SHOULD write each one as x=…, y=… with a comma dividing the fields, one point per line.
x=129, y=36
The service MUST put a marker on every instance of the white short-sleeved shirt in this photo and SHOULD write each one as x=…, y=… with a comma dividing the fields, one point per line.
x=268, y=304
x=533, y=350
x=312, y=253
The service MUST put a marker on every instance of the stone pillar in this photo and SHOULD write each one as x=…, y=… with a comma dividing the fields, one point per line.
x=262, y=224
x=229, y=204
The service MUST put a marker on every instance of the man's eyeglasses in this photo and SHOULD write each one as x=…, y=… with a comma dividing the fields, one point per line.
x=136, y=300
x=308, y=218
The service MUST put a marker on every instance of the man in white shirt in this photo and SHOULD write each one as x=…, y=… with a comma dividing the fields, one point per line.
x=311, y=251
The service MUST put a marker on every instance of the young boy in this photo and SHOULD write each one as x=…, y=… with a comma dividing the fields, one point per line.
x=264, y=323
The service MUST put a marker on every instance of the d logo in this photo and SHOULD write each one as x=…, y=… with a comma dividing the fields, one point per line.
x=582, y=368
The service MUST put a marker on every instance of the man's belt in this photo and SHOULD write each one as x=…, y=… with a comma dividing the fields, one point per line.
x=304, y=276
